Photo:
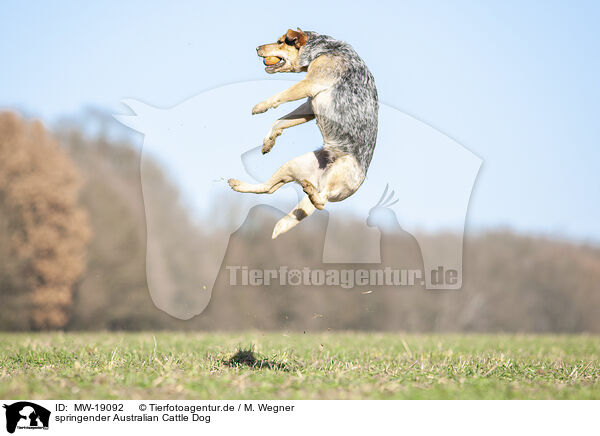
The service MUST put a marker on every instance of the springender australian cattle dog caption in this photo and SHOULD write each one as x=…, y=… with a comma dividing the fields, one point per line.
x=341, y=95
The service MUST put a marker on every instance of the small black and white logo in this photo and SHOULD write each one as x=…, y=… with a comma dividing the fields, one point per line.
x=26, y=415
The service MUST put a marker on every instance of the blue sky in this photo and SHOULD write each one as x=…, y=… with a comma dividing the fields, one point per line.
x=515, y=82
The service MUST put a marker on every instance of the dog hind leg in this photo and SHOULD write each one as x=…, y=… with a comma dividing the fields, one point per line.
x=341, y=179
x=304, y=209
x=273, y=184
x=308, y=166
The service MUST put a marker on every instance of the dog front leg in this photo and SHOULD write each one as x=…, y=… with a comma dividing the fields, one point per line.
x=300, y=115
x=304, y=88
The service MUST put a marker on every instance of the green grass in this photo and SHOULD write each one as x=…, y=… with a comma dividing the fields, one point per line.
x=297, y=366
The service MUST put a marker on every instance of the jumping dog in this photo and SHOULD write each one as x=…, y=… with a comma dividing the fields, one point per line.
x=342, y=96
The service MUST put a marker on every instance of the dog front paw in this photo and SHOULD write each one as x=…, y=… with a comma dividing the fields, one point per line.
x=268, y=144
x=269, y=141
x=260, y=108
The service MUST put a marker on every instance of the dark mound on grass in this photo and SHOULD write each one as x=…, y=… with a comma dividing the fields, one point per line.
x=248, y=358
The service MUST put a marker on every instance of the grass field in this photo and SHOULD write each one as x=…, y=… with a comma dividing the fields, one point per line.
x=297, y=366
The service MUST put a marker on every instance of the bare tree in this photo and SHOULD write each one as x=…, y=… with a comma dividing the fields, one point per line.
x=45, y=231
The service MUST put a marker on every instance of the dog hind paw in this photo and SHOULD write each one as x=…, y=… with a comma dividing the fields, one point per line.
x=234, y=183
x=312, y=193
x=308, y=187
x=283, y=225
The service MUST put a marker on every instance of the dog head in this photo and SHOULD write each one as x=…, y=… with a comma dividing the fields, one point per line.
x=287, y=50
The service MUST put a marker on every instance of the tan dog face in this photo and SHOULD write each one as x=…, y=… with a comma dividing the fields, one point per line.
x=287, y=49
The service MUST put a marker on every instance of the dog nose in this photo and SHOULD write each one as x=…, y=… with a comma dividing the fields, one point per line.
x=258, y=48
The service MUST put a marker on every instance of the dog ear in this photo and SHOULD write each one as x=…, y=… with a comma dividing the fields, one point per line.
x=297, y=39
